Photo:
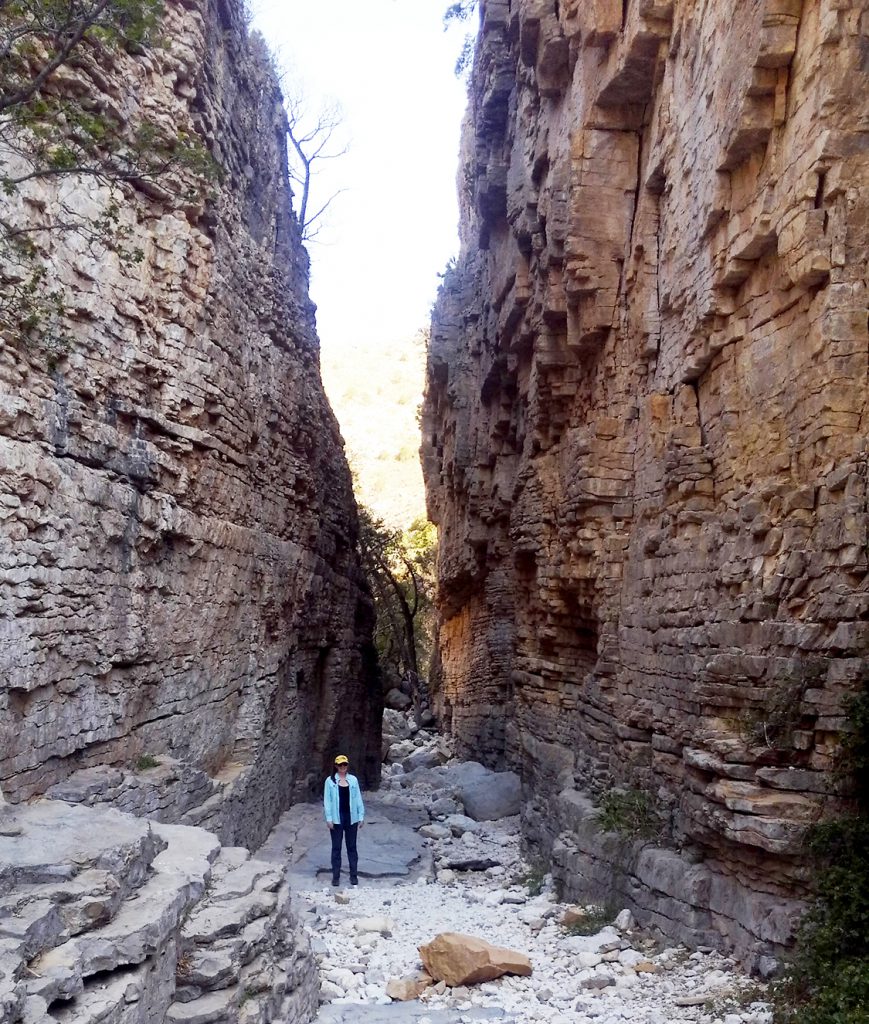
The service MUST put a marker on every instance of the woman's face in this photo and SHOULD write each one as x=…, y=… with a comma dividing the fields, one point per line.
x=342, y=770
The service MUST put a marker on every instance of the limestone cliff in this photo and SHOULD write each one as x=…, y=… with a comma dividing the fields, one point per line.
x=644, y=437
x=179, y=576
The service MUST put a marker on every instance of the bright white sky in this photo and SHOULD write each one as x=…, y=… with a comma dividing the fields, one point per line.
x=389, y=65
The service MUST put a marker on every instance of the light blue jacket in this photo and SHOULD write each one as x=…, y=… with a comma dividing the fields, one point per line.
x=330, y=801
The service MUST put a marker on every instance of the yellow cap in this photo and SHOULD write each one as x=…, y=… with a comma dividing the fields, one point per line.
x=342, y=759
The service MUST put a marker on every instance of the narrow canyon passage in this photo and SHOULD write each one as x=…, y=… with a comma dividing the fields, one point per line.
x=631, y=568
x=426, y=868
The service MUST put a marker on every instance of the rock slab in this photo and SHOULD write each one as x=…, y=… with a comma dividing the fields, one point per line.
x=466, y=960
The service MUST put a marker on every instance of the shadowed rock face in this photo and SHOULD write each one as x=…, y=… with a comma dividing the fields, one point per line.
x=644, y=438
x=178, y=536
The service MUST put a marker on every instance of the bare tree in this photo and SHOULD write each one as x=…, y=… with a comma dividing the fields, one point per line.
x=313, y=138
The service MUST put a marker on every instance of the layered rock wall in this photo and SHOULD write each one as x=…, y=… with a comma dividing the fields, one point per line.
x=644, y=437
x=108, y=917
x=179, y=588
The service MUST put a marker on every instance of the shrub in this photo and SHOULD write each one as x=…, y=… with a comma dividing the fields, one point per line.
x=827, y=979
x=595, y=919
x=630, y=812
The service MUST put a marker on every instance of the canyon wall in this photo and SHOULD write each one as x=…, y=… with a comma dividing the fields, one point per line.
x=184, y=628
x=644, y=441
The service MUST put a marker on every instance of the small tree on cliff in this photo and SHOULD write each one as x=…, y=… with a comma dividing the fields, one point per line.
x=400, y=567
x=312, y=138
x=54, y=125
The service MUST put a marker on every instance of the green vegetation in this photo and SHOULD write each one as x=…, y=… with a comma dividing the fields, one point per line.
x=533, y=879
x=629, y=812
x=461, y=11
x=146, y=761
x=377, y=413
x=400, y=566
x=736, y=1000
x=827, y=980
x=773, y=724
x=53, y=128
x=594, y=919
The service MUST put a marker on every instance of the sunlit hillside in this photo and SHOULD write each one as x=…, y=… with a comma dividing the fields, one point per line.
x=375, y=391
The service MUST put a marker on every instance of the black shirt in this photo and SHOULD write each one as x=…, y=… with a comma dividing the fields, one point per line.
x=344, y=804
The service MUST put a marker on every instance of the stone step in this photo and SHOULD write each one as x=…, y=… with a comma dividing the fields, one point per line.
x=213, y=1008
x=144, y=925
x=62, y=870
x=49, y=842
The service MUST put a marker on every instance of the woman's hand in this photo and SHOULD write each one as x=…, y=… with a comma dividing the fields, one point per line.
x=331, y=826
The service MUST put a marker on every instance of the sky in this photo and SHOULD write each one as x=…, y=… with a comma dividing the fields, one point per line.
x=389, y=65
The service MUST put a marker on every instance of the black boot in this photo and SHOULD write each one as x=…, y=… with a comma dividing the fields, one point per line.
x=336, y=881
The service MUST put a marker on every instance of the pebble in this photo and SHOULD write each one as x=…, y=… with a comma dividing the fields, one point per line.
x=611, y=977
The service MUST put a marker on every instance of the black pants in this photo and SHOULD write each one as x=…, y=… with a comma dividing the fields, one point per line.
x=348, y=834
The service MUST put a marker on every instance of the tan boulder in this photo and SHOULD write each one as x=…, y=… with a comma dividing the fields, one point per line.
x=404, y=989
x=464, y=959
x=646, y=967
x=574, y=915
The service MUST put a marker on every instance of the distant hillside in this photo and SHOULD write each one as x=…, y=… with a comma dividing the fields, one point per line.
x=376, y=390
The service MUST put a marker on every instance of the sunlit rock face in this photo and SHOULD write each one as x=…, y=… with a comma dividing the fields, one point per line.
x=644, y=438
x=179, y=578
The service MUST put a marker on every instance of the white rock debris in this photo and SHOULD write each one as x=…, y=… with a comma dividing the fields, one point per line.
x=369, y=936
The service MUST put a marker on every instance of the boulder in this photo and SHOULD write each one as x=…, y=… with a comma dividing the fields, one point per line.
x=426, y=757
x=625, y=921
x=458, y=959
x=383, y=925
x=443, y=805
x=395, y=726
x=464, y=773
x=397, y=700
x=399, y=751
x=574, y=915
x=459, y=824
x=599, y=943
x=435, y=831
x=497, y=795
x=404, y=989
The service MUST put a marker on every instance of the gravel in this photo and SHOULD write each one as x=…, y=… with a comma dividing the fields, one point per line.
x=620, y=974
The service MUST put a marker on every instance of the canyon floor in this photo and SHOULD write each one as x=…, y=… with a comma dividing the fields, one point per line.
x=425, y=868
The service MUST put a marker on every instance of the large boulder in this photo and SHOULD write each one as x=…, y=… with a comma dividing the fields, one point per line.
x=424, y=757
x=397, y=700
x=399, y=751
x=466, y=960
x=492, y=796
x=395, y=726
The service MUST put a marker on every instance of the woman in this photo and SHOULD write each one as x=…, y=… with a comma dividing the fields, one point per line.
x=345, y=813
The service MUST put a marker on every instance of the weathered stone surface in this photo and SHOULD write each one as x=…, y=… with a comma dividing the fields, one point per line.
x=300, y=844
x=147, y=956
x=466, y=960
x=179, y=578
x=404, y=989
x=645, y=438
x=396, y=700
x=495, y=796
